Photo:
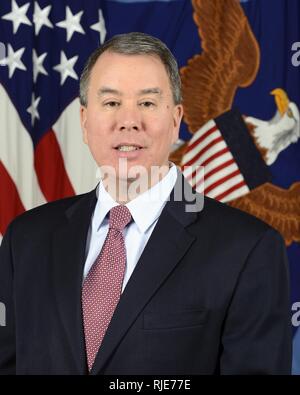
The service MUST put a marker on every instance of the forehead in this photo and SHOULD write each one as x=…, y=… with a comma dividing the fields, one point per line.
x=114, y=68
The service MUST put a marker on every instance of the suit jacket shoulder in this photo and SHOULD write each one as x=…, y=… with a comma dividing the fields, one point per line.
x=47, y=217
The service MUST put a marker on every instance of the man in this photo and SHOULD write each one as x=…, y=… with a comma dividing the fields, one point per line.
x=129, y=278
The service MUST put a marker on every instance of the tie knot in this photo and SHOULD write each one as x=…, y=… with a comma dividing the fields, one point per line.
x=119, y=217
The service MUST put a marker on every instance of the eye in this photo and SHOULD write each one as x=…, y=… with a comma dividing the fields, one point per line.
x=290, y=113
x=111, y=103
x=147, y=104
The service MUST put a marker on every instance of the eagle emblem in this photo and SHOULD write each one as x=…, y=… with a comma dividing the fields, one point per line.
x=226, y=142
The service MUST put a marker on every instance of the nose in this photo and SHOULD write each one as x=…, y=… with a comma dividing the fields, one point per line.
x=129, y=118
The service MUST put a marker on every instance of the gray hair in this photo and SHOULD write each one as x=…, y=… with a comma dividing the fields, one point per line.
x=134, y=44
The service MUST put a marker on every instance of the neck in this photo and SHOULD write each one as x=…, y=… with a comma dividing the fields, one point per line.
x=123, y=190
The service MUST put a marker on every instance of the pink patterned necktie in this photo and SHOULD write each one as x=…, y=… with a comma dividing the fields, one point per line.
x=102, y=287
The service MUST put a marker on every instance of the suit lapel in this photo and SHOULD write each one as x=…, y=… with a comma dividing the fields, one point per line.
x=166, y=246
x=69, y=243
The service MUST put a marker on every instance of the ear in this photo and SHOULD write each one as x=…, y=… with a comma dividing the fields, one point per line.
x=83, y=122
x=177, y=117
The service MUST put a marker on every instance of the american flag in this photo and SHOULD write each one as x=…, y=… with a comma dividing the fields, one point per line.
x=42, y=157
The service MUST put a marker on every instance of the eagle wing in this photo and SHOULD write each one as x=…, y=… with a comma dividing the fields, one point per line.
x=230, y=59
x=278, y=207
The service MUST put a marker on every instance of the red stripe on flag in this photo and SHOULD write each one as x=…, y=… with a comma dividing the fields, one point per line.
x=201, y=138
x=201, y=152
x=10, y=202
x=50, y=168
x=216, y=155
x=234, y=188
x=199, y=182
x=222, y=180
x=218, y=168
x=192, y=175
x=213, y=171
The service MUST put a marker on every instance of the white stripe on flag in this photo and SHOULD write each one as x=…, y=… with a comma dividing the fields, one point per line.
x=16, y=153
x=220, y=160
x=78, y=160
x=219, y=174
x=199, y=176
x=209, y=125
x=191, y=154
x=243, y=190
x=211, y=151
x=225, y=186
x=198, y=180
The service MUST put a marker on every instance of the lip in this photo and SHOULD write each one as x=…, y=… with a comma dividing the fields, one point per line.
x=127, y=143
x=129, y=154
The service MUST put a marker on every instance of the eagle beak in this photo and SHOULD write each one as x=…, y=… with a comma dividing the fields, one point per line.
x=281, y=99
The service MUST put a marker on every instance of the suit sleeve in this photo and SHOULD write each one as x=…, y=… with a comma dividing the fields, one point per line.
x=257, y=330
x=7, y=328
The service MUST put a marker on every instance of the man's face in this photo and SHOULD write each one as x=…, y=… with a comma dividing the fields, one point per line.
x=130, y=112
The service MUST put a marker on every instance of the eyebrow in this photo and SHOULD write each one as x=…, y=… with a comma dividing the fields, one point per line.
x=106, y=90
x=148, y=91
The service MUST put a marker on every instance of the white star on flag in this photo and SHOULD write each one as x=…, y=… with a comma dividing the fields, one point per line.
x=100, y=27
x=40, y=17
x=33, y=108
x=71, y=23
x=66, y=67
x=17, y=15
x=13, y=60
x=38, y=67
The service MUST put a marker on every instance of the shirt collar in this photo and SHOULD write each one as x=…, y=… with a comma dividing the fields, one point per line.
x=145, y=208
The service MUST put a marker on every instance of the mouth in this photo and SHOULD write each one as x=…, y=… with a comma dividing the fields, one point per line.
x=129, y=151
x=124, y=147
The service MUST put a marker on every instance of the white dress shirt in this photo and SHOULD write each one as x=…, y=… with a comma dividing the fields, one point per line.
x=145, y=210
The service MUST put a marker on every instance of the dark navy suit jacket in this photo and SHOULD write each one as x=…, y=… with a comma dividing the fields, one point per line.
x=209, y=295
